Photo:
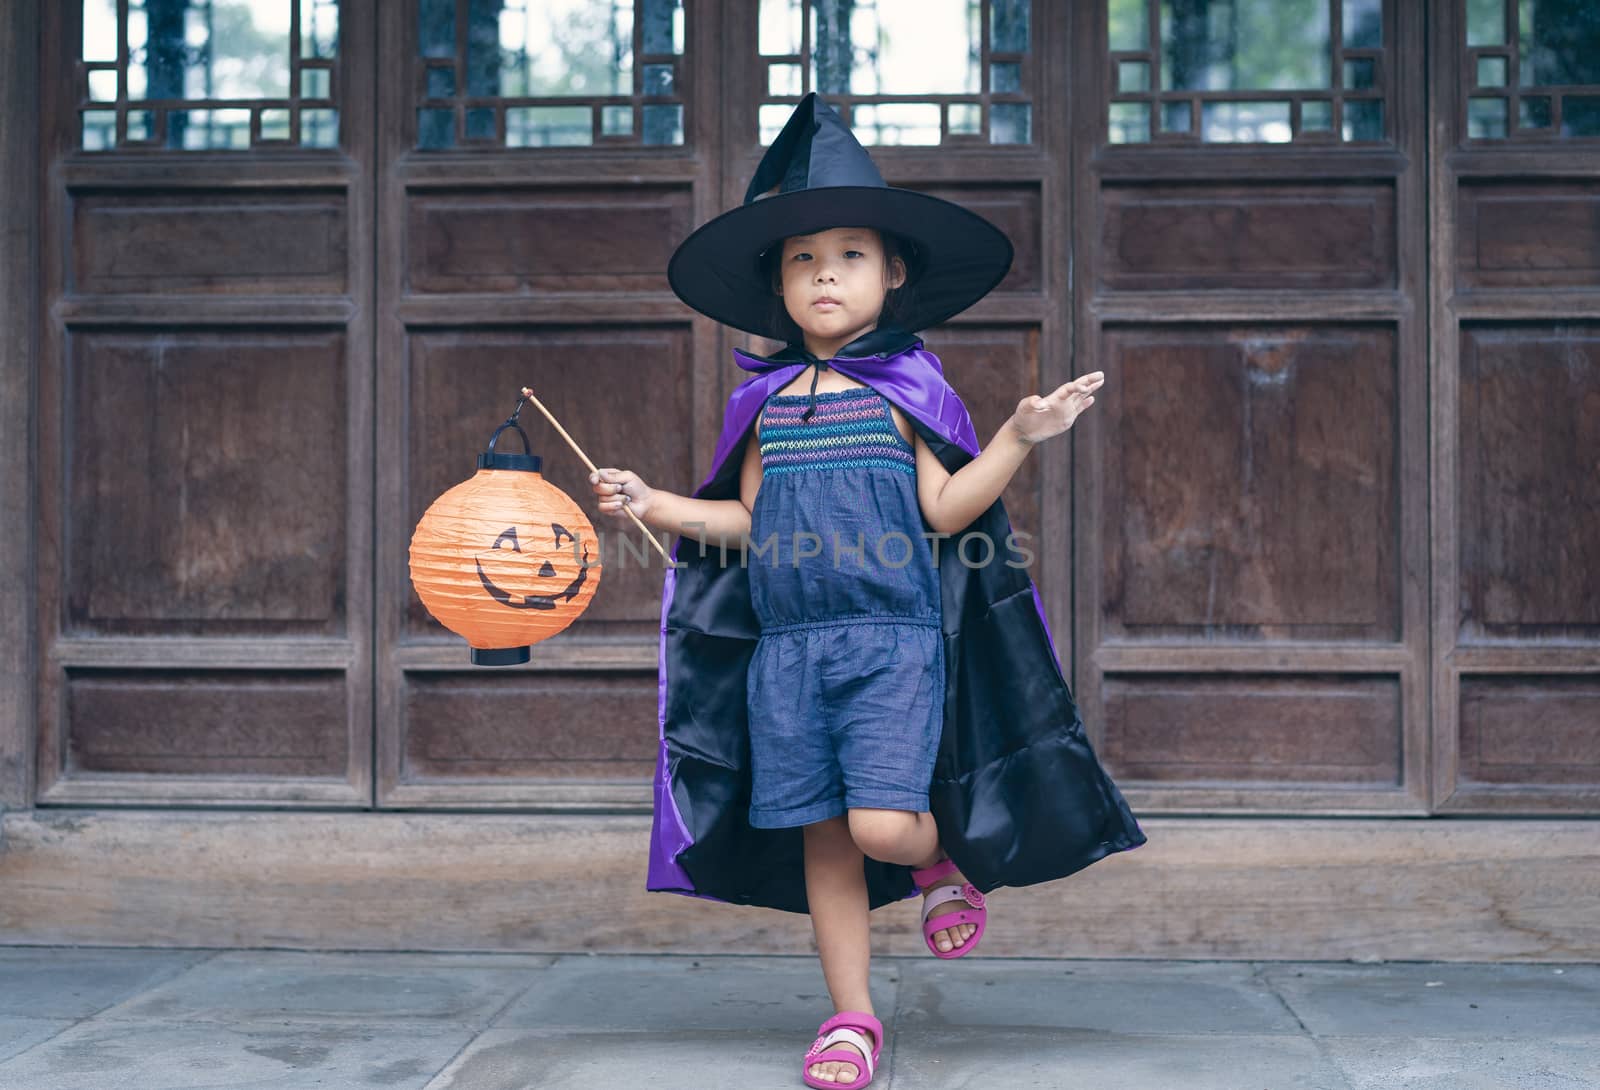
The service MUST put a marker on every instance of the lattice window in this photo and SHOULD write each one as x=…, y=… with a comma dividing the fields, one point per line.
x=1246, y=71
x=549, y=73
x=1533, y=69
x=902, y=71
x=205, y=75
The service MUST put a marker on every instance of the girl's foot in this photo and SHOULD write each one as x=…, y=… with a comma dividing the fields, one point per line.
x=839, y=1070
x=948, y=938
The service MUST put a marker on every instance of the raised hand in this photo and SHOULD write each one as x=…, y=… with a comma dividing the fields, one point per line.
x=1038, y=418
x=618, y=487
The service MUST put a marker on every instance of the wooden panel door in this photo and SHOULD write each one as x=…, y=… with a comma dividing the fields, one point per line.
x=1516, y=395
x=541, y=162
x=204, y=420
x=1251, y=532
x=526, y=224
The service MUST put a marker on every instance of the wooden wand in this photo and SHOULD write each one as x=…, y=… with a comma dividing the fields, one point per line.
x=527, y=393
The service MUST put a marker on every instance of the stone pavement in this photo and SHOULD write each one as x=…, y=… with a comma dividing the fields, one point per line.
x=86, y=1018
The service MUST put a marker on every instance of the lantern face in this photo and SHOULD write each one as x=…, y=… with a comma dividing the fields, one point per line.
x=505, y=559
x=525, y=578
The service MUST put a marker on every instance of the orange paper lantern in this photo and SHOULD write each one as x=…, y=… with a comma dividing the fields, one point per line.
x=505, y=558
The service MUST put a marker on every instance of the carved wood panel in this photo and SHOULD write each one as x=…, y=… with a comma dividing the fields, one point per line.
x=204, y=424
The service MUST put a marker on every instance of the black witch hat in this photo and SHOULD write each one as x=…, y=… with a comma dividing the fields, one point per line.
x=825, y=178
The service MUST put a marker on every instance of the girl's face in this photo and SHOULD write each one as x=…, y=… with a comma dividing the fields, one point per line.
x=833, y=284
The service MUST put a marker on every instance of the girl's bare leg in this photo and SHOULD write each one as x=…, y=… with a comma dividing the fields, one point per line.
x=900, y=836
x=836, y=888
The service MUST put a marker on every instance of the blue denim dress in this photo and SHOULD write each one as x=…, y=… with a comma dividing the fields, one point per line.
x=846, y=686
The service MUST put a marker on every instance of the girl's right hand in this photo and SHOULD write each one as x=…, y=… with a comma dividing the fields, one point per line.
x=620, y=490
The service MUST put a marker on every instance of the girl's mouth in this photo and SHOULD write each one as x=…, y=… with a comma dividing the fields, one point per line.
x=827, y=304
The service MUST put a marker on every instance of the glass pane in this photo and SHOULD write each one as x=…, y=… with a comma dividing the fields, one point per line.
x=1010, y=123
x=233, y=49
x=771, y=119
x=616, y=120
x=579, y=47
x=1008, y=26
x=441, y=82
x=780, y=28
x=1363, y=24
x=658, y=79
x=99, y=129
x=436, y=30
x=1580, y=115
x=1245, y=122
x=1176, y=117
x=1486, y=118
x=661, y=25
x=663, y=124
x=319, y=128
x=1486, y=22
x=1363, y=119
x=1360, y=73
x=1130, y=123
x=547, y=126
x=1005, y=78
x=1560, y=42
x=783, y=79
x=896, y=123
x=480, y=123
x=103, y=85
x=319, y=28
x=141, y=124
x=895, y=47
x=197, y=130
x=966, y=119
x=1133, y=76
x=437, y=128
x=99, y=33
x=318, y=82
x=1248, y=45
x=1534, y=112
x=1491, y=71
x=1128, y=22
x=274, y=124
x=1316, y=115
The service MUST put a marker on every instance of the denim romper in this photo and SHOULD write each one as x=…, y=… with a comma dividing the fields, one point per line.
x=846, y=686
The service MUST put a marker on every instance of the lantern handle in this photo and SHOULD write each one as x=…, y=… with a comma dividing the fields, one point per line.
x=511, y=422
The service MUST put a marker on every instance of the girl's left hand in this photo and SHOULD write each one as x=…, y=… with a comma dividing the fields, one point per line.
x=1038, y=418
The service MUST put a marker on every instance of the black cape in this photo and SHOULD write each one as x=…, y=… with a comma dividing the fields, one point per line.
x=1018, y=793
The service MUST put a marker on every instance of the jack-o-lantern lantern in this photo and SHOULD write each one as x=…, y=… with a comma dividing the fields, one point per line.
x=505, y=558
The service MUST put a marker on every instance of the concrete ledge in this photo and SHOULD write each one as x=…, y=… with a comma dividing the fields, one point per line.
x=1264, y=888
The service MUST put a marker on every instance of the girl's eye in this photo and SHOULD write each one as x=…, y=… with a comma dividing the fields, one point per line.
x=801, y=257
x=853, y=253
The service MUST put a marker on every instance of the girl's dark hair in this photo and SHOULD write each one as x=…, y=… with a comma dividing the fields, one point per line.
x=897, y=302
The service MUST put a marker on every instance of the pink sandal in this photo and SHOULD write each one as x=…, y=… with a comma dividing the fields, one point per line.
x=845, y=1026
x=973, y=911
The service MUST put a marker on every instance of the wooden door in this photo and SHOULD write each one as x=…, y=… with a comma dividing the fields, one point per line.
x=1516, y=397
x=526, y=223
x=1251, y=537
x=205, y=391
x=541, y=163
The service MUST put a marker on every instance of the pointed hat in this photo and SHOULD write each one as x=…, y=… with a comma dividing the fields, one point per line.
x=825, y=178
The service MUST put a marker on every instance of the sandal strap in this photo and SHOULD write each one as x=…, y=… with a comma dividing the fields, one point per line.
x=966, y=892
x=819, y=1050
x=858, y=1020
x=928, y=876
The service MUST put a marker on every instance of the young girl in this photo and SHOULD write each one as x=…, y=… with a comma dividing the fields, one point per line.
x=847, y=693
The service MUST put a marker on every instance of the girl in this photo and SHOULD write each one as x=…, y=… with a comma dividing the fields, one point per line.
x=846, y=694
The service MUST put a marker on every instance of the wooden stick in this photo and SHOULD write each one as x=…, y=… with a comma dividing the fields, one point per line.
x=527, y=393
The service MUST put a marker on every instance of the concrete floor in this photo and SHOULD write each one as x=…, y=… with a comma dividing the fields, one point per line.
x=150, y=1019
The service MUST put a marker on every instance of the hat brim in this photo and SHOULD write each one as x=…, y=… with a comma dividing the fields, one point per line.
x=961, y=255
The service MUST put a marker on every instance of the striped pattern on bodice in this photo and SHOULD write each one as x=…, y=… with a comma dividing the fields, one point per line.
x=849, y=429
